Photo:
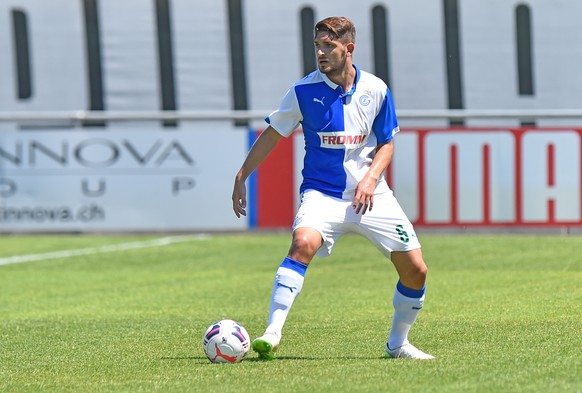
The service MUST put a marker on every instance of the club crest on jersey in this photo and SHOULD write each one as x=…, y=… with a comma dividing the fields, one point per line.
x=341, y=140
x=365, y=100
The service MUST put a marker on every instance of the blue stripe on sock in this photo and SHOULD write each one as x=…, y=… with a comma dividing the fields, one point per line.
x=294, y=265
x=409, y=292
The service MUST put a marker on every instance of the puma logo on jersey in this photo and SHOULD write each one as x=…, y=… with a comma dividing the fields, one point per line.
x=318, y=100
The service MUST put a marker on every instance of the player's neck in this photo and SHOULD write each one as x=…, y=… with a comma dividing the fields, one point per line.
x=345, y=77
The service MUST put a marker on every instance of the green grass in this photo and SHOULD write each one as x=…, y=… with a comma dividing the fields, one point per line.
x=502, y=314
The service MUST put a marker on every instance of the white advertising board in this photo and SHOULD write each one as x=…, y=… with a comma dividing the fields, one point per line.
x=68, y=180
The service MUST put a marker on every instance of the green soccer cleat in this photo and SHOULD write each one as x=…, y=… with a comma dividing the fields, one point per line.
x=266, y=345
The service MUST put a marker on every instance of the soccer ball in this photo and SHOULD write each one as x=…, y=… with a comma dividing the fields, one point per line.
x=226, y=341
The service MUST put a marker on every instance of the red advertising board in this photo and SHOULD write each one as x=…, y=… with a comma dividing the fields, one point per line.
x=456, y=177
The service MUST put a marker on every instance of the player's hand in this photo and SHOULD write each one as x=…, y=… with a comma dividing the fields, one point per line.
x=364, y=197
x=239, y=198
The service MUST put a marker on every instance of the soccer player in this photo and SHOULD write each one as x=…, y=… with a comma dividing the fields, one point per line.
x=348, y=121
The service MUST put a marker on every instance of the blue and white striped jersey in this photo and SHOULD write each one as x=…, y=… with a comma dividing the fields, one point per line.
x=341, y=130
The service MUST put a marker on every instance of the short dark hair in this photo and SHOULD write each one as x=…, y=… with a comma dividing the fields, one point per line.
x=338, y=27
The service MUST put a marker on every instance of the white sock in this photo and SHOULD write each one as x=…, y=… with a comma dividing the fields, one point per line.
x=407, y=304
x=287, y=285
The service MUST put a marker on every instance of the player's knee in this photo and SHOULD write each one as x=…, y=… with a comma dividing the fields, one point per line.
x=417, y=275
x=303, y=248
x=421, y=272
x=414, y=276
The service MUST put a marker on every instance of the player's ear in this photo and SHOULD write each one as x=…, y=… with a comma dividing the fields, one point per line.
x=350, y=48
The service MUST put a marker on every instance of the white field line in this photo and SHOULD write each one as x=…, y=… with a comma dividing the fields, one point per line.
x=164, y=241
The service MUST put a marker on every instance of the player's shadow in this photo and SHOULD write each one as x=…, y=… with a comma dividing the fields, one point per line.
x=183, y=358
x=316, y=358
x=281, y=358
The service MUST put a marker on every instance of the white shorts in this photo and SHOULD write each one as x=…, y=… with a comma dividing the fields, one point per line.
x=386, y=226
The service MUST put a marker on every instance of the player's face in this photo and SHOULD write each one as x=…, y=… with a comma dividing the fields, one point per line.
x=332, y=55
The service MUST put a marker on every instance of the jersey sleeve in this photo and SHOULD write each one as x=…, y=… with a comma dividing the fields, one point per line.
x=288, y=116
x=385, y=125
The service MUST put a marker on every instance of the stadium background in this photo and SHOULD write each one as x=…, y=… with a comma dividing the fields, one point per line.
x=135, y=115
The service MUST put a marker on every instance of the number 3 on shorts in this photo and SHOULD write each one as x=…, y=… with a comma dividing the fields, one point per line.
x=403, y=235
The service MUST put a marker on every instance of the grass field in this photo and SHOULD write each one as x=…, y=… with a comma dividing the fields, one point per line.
x=502, y=314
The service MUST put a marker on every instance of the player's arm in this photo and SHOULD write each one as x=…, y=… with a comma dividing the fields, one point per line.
x=364, y=197
x=260, y=150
